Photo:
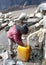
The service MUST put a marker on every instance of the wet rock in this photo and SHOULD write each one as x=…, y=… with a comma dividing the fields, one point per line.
x=8, y=62
x=19, y=63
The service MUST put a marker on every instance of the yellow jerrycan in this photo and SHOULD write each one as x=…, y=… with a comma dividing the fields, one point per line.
x=23, y=53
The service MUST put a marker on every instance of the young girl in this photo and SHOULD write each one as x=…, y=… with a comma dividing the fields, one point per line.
x=14, y=34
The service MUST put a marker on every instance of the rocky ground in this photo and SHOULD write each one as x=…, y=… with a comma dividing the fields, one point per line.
x=3, y=37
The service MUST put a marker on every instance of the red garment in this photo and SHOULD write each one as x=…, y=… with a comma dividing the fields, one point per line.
x=15, y=35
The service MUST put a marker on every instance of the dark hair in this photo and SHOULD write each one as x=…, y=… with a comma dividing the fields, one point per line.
x=24, y=29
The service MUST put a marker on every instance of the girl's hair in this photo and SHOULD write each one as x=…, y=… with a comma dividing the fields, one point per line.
x=24, y=29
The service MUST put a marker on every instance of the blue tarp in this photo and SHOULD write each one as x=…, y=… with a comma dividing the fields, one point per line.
x=4, y=4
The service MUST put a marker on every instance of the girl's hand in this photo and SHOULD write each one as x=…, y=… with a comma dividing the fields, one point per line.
x=25, y=45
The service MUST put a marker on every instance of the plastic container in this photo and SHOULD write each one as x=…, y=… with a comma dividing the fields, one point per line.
x=23, y=53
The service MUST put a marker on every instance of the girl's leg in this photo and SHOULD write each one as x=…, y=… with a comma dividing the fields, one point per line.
x=10, y=45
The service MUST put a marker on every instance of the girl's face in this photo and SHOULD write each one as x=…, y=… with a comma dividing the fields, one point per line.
x=19, y=22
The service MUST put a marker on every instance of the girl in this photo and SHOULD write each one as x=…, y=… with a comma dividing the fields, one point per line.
x=14, y=34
